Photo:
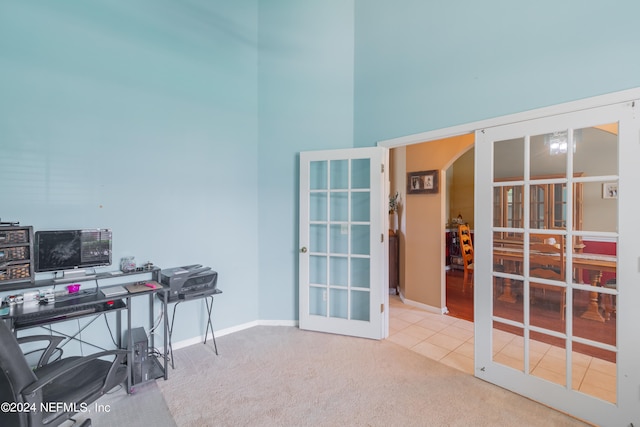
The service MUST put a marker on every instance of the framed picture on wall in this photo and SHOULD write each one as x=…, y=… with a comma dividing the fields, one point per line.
x=610, y=190
x=424, y=182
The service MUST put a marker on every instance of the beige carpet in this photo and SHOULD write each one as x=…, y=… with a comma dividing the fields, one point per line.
x=282, y=376
x=145, y=408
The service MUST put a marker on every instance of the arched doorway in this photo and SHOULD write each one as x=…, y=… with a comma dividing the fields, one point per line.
x=422, y=217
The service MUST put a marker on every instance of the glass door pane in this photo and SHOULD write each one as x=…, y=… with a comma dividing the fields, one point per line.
x=498, y=204
x=340, y=215
x=538, y=204
x=559, y=204
x=548, y=154
x=514, y=207
x=554, y=254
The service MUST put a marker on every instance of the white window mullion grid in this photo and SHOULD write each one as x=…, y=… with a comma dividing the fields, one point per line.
x=328, y=243
x=349, y=218
x=326, y=223
x=571, y=233
x=334, y=292
x=526, y=223
x=568, y=276
x=585, y=405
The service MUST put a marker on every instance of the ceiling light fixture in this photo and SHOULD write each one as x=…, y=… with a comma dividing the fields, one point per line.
x=558, y=142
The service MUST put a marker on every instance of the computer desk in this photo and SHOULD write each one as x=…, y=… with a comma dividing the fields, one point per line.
x=93, y=304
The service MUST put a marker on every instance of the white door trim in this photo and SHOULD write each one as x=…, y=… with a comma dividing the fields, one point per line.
x=463, y=129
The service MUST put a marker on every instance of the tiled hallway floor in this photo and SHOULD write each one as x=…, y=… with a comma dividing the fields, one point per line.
x=450, y=341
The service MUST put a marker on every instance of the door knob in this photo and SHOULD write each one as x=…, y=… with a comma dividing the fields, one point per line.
x=303, y=250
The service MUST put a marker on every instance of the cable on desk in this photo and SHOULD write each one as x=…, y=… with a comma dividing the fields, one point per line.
x=109, y=328
x=158, y=321
x=158, y=354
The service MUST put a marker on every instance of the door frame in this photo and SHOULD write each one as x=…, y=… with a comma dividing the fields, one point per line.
x=570, y=107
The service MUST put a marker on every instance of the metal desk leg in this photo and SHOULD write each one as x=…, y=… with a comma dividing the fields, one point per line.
x=129, y=344
x=165, y=320
x=209, y=301
x=119, y=328
x=152, y=333
x=173, y=319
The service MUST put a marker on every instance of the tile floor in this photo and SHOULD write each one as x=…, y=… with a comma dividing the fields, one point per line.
x=450, y=341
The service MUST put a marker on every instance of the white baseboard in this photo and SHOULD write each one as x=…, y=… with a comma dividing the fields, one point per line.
x=425, y=307
x=222, y=332
x=277, y=323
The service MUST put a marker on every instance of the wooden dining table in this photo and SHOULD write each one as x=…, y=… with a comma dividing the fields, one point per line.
x=595, y=264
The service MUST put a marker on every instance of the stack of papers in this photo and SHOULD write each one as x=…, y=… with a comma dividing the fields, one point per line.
x=113, y=291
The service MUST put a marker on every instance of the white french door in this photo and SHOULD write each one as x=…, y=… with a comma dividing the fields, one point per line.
x=559, y=325
x=343, y=242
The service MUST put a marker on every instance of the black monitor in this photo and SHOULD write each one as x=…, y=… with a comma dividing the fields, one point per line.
x=62, y=250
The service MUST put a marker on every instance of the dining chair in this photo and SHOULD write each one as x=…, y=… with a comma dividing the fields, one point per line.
x=466, y=252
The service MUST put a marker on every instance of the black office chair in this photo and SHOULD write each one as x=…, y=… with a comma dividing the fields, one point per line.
x=69, y=384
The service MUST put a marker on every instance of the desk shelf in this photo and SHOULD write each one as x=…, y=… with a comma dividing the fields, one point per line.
x=51, y=282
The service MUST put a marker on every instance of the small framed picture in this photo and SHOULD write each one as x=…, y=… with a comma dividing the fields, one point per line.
x=424, y=182
x=610, y=190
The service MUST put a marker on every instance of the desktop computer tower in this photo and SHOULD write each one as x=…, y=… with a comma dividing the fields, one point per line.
x=139, y=366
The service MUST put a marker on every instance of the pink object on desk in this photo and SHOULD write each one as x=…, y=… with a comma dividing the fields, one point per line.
x=73, y=288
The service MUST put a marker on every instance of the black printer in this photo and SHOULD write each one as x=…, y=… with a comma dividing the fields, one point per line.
x=189, y=281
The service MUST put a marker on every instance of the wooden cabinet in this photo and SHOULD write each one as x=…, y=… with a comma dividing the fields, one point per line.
x=453, y=258
x=547, y=205
x=394, y=263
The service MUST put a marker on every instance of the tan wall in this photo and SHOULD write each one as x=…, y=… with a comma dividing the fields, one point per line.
x=398, y=168
x=461, y=188
x=425, y=217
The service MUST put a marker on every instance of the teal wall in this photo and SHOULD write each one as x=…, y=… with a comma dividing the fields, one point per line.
x=178, y=123
x=140, y=116
x=424, y=65
x=305, y=103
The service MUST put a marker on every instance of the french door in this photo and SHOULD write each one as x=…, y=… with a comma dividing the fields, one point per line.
x=557, y=255
x=343, y=242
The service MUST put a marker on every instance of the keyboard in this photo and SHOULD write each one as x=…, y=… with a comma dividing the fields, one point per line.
x=59, y=314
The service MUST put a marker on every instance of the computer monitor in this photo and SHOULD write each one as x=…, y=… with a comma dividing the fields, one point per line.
x=61, y=250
